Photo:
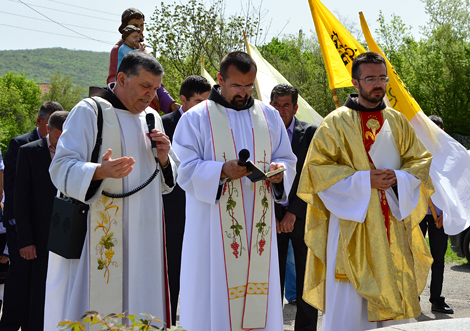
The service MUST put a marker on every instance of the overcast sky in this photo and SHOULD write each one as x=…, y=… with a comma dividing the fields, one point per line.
x=92, y=25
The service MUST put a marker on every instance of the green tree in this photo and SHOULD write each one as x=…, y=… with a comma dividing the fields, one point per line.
x=445, y=65
x=19, y=104
x=63, y=91
x=182, y=33
x=436, y=69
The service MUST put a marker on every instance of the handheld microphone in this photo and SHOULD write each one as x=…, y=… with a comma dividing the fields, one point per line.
x=150, y=119
x=243, y=155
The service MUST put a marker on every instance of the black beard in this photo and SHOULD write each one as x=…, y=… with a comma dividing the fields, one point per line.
x=370, y=98
x=240, y=103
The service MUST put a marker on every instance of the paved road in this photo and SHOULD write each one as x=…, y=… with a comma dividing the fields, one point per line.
x=456, y=290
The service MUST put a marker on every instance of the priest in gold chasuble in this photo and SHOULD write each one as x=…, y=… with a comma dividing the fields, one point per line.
x=367, y=262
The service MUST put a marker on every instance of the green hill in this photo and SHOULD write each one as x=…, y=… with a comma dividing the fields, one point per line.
x=84, y=67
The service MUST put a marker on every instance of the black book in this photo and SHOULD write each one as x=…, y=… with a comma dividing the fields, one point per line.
x=258, y=174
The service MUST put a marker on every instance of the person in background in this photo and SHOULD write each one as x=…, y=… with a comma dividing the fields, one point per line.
x=290, y=215
x=433, y=225
x=132, y=16
x=194, y=90
x=2, y=167
x=131, y=37
x=34, y=198
x=290, y=282
x=15, y=304
x=3, y=237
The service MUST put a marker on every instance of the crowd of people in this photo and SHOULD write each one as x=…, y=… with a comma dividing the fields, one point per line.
x=176, y=220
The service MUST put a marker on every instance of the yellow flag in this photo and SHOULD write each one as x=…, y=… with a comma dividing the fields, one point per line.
x=338, y=46
x=400, y=98
x=267, y=77
x=205, y=74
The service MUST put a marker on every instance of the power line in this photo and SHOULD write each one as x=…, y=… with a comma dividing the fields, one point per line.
x=54, y=33
x=42, y=20
x=81, y=34
x=93, y=10
x=62, y=11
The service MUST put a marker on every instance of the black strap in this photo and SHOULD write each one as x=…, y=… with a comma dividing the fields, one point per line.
x=137, y=189
x=99, y=140
x=94, y=159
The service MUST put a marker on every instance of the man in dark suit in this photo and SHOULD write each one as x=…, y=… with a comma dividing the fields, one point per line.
x=290, y=217
x=15, y=307
x=432, y=223
x=34, y=198
x=194, y=89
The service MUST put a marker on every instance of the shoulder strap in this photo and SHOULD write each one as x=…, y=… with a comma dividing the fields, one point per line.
x=99, y=140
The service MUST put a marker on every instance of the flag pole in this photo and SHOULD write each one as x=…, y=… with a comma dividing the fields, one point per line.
x=335, y=97
x=202, y=65
x=258, y=90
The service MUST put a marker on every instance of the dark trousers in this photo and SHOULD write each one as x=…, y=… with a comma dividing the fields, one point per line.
x=174, y=244
x=438, y=244
x=306, y=316
x=25, y=289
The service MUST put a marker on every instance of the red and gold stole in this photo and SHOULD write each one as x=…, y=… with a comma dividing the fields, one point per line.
x=371, y=122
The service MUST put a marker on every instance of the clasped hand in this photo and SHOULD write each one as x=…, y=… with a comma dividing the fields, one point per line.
x=286, y=225
x=382, y=179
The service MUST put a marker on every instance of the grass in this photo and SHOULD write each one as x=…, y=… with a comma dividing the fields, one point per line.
x=451, y=257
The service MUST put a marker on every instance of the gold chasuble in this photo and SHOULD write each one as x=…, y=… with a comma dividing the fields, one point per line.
x=106, y=246
x=247, y=264
x=387, y=261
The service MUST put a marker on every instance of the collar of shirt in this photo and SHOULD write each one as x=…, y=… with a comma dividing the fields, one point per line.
x=107, y=94
x=181, y=110
x=290, y=129
x=51, y=148
x=353, y=103
x=217, y=97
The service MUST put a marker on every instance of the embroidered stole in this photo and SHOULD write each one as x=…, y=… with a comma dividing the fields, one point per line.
x=106, y=246
x=371, y=124
x=247, y=269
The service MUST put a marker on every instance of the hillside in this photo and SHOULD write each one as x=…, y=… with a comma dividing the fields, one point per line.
x=84, y=67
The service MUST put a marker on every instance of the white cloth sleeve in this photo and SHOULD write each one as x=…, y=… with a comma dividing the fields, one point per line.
x=349, y=198
x=408, y=195
x=196, y=170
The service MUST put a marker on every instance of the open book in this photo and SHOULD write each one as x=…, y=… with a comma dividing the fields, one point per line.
x=258, y=174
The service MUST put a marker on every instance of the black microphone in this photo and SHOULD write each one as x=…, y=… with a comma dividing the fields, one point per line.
x=150, y=119
x=243, y=155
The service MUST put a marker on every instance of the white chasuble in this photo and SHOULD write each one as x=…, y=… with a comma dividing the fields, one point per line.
x=143, y=284
x=247, y=268
x=204, y=299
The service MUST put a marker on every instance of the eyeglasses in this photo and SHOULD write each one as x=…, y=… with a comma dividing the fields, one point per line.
x=373, y=80
x=243, y=88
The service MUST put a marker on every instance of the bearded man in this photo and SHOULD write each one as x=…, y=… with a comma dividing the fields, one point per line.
x=367, y=261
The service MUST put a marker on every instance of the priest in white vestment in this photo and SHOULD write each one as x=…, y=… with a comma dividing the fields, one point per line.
x=367, y=262
x=208, y=140
x=122, y=267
